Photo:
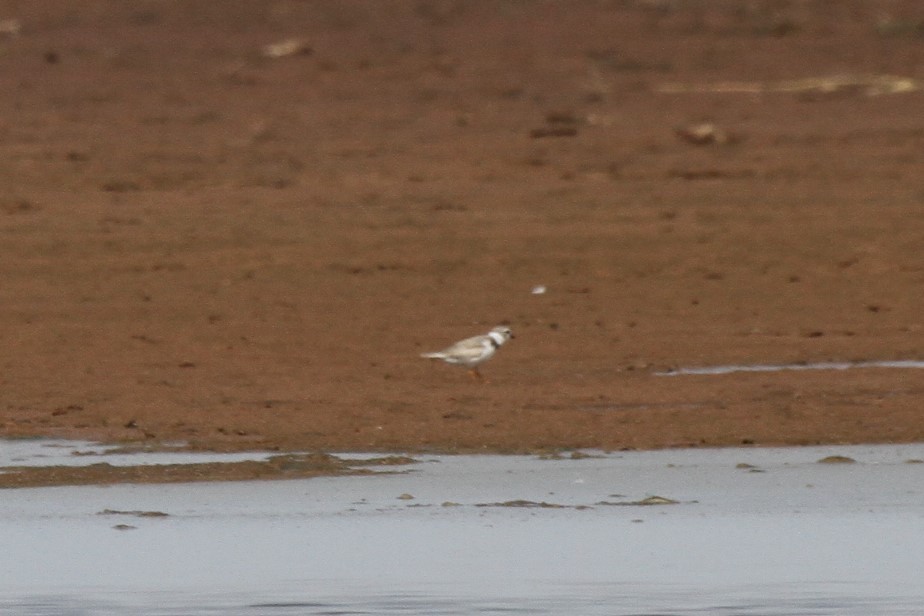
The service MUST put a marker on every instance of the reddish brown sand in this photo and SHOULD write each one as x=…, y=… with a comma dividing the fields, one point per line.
x=201, y=243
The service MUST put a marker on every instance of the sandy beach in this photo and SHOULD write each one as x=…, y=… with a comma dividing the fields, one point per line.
x=237, y=225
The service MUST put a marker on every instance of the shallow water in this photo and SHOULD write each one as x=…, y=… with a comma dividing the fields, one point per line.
x=605, y=601
x=824, y=365
x=781, y=534
x=51, y=452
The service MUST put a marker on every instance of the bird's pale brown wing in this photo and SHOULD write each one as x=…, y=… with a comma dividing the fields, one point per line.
x=470, y=348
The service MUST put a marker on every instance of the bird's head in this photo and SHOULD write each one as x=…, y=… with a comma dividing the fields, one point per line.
x=501, y=334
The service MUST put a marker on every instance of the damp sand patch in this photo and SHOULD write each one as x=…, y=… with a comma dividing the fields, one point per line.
x=74, y=464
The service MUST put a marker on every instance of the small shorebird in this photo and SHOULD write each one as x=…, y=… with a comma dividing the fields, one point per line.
x=473, y=351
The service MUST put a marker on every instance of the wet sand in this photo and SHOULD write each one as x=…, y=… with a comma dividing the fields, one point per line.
x=204, y=241
x=36, y=463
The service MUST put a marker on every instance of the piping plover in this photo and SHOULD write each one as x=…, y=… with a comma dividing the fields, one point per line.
x=473, y=351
